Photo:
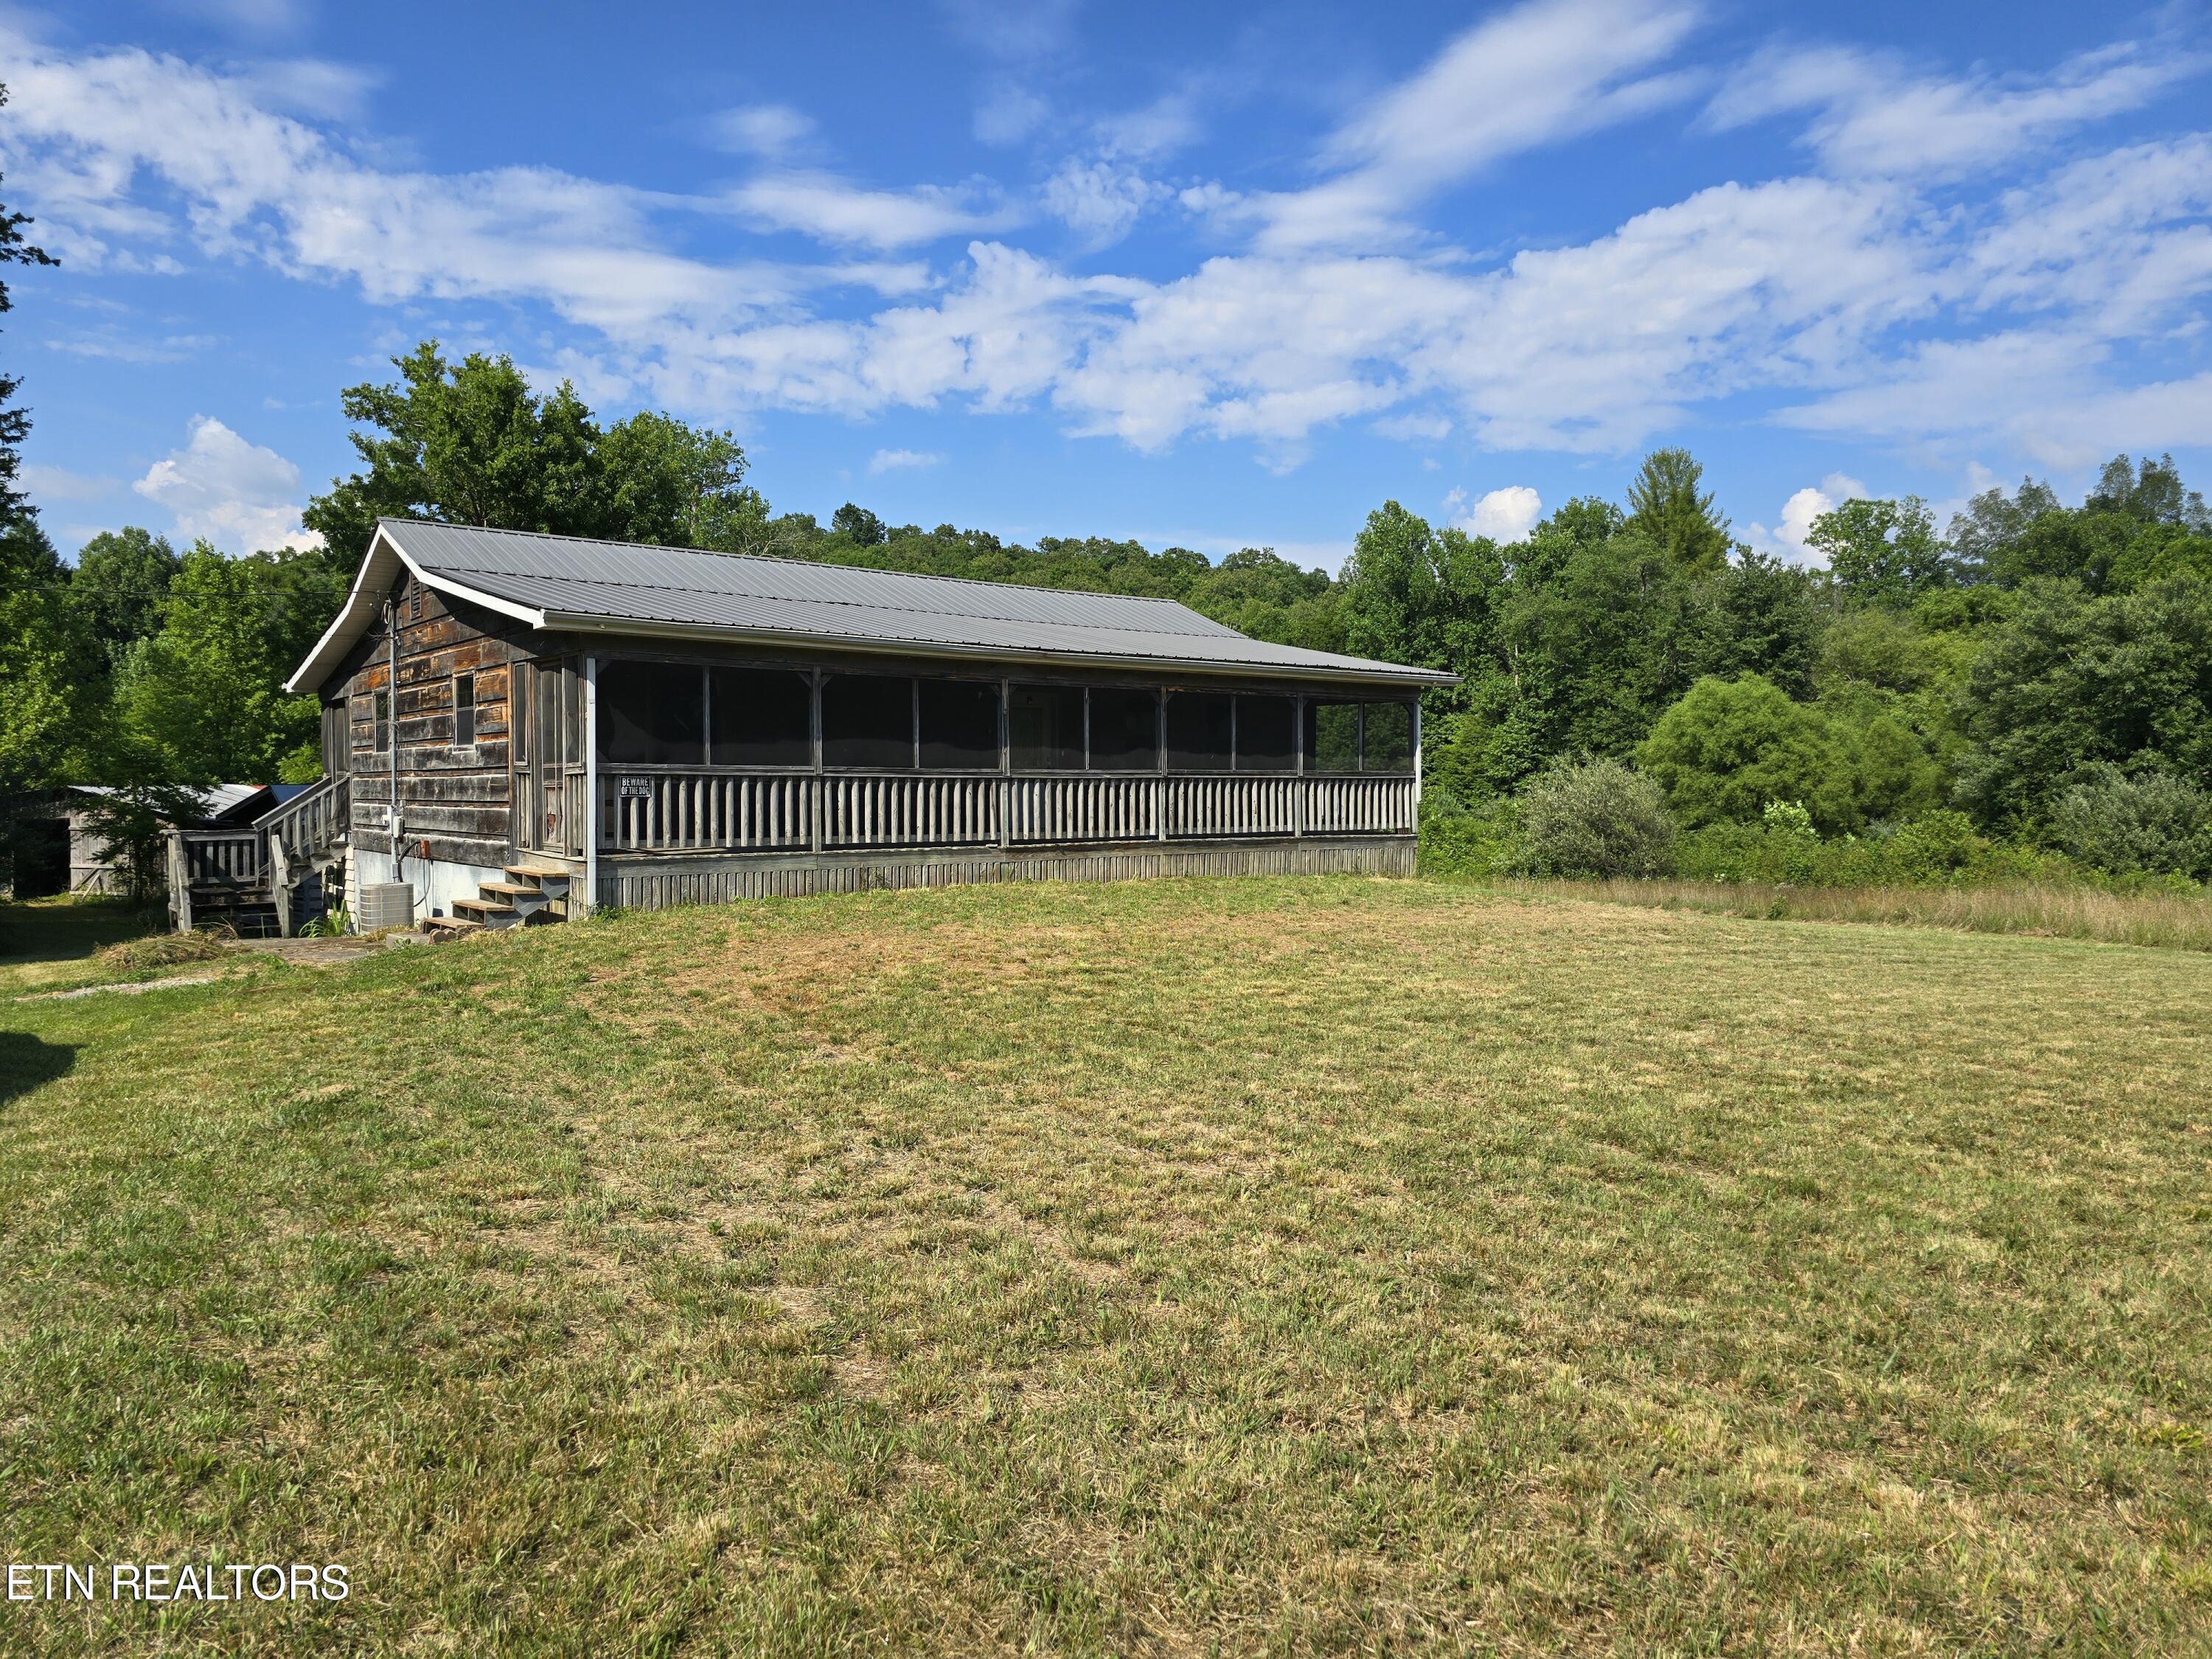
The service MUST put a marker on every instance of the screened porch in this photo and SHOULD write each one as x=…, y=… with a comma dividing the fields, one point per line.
x=698, y=758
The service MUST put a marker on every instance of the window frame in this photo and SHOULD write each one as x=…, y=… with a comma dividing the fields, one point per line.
x=465, y=679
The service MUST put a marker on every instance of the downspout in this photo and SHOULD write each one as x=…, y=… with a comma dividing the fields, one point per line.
x=391, y=698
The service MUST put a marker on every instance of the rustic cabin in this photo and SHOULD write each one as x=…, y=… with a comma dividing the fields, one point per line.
x=517, y=727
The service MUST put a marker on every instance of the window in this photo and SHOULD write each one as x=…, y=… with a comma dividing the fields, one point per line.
x=1359, y=737
x=1044, y=728
x=760, y=717
x=1388, y=745
x=652, y=713
x=959, y=725
x=867, y=721
x=1266, y=733
x=1332, y=737
x=1200, y=726
x=414, y=601
x=1125, y=731
x=380, y=731
x=465, y=708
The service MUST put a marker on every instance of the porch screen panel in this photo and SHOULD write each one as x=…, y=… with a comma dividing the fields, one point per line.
x=761, y=717
x=1266, y=734
x=652, y=713
x=1125, y=731
x=1389, y=743
x=1044, y=728
x=1200, y=732
x=1332, y=737
x=868, y=722
x=959, y=725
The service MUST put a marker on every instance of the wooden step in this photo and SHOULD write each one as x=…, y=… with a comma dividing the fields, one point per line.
x=513, y=890
x=455, y=924
x=539, y=875
x=487, y=906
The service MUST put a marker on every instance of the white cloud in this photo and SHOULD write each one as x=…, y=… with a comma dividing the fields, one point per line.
x=770, y=130
x=1544, y=71
x=313, y=87
x=834, y=210
x=1010, y=114
x=1875, y=313
x=46, y=483
x=1101, y=199
x=1872, y=115
x=1505, y=515
x=1415, y=428
x=1787, y=539
x=1160, y=128
x=893, y=461
x=241, y=497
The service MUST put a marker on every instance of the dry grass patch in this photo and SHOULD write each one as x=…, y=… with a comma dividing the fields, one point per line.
x=2168, y=920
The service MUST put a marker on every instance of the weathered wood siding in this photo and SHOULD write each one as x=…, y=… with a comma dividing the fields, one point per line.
x=457, y=797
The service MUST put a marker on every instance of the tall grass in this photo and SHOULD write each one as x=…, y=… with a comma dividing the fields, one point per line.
x=2179, y=921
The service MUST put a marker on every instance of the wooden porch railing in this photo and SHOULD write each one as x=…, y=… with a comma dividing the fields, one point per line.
x=258, y=858
x=314, y=821
x=691, y=810
x=1049, y=809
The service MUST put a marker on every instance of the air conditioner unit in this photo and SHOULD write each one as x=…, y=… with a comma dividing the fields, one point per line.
x=386, y=904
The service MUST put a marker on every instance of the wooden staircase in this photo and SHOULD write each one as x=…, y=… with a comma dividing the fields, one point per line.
x=266, y=878
x=532, y=895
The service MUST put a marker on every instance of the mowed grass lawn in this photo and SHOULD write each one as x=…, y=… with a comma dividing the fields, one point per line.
x=1237, y=1267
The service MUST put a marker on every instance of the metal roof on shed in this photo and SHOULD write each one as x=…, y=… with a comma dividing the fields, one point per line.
x=565, y=583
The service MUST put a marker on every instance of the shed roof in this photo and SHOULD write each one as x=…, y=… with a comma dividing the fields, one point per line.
x=566, y=583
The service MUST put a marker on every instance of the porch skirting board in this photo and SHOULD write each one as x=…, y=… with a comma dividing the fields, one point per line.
x=649, y=881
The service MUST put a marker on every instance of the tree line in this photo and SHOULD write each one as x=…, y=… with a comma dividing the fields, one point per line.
x=2037, y=675
x=1992, y=670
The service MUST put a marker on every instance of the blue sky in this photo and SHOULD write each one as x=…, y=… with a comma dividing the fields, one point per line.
x=1177, y=272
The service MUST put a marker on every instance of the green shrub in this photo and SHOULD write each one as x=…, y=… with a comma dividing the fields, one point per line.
x=1594, y=817
x=1938, y=849
x=2149, y=824
x=1728, y=747
x=1475, y=841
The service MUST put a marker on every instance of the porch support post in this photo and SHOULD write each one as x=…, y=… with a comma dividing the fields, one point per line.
x=1416, y=762
x=1160, y=764
x=820, y=804
x=591, y=804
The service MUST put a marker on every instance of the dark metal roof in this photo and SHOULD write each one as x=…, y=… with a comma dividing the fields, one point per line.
x=619, y=587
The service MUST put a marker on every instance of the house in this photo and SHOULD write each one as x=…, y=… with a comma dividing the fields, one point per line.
x=519, y=726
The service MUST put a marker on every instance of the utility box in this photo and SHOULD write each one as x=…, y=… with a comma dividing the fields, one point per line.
x=386, y=904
